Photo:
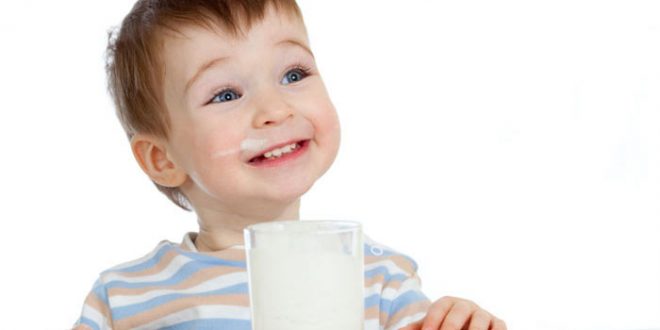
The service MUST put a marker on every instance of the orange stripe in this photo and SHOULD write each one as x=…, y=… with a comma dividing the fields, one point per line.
x=371, y=312
x=383, y=317
x=401, y=261
x=179, y=305
x=164, y=262
x=100, y=306
x=379, y=278
x=193, y=280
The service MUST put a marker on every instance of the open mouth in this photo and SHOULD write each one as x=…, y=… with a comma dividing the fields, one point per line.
x=281, y=154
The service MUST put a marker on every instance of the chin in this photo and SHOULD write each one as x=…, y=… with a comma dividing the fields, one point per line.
x=291, y=190
x=292, y=193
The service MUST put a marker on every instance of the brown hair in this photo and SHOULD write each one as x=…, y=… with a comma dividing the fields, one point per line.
x=134, y=68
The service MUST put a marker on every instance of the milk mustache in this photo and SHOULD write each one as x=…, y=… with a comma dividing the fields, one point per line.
x=303, y=277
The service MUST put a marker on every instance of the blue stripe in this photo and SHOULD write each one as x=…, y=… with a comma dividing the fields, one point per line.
x=387, y=277
x=149, y=263
x=100, y=292
x=371, y=300
x=130, y=310
x=212, y=324
x=89, y=323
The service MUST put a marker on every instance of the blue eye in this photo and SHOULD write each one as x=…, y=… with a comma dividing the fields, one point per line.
x=225, y=95
x=295, y=75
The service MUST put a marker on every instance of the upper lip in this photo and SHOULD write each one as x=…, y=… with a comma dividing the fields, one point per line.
x=272, y=147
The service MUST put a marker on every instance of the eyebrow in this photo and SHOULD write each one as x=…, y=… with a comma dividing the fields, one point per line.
x=217, y=61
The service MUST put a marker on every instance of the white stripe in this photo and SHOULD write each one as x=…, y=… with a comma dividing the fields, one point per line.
x=411, y=284
x=389, y=293
x=372, y=290
x=392, y=267
x=407, y=320
x=174, y=266
x=372, y=324
x=187, y=242
x=199, y=313
x=141, y=260
x=213, y=284
x=96, y=316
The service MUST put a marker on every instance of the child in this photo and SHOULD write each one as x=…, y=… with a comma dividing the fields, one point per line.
x=227, y=114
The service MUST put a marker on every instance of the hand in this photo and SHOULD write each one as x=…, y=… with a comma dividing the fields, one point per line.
x=450, y=313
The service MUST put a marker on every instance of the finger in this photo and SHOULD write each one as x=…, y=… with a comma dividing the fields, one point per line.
x=459, y=315
x=437, y=313
x=480, y=320
x=498, y=324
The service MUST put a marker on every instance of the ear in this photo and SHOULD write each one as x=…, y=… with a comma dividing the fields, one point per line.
x=151, y=153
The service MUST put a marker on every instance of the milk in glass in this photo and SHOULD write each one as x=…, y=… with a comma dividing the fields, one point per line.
x=302, y=278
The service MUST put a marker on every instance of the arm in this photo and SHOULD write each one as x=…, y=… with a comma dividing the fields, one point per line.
x=408, y=303
x=95, y=313
x=451, y=313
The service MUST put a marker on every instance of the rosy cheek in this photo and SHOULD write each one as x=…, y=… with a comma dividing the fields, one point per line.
x=222, y=146
x=328, y=121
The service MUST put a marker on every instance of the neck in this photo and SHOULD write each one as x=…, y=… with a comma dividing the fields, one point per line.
x=219, y=230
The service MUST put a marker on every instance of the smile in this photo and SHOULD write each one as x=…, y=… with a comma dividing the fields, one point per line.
x=278, y=152
x=280, y=155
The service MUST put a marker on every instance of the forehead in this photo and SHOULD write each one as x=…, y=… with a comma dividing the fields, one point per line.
x=196, y=42
x=191, y=46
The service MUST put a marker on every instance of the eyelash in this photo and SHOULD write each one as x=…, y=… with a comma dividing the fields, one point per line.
x=303, y=68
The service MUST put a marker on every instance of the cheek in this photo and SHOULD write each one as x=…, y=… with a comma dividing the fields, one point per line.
x=323, y=114
x=214, y=150
x=328, y=124
x=327, y=128
x=215, y=163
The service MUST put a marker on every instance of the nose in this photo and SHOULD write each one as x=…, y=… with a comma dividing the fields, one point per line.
x=271, y=108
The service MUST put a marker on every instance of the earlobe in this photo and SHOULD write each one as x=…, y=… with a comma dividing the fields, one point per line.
x=151, y=154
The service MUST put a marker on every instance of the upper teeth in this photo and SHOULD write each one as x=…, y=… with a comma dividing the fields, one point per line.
x=280, y=151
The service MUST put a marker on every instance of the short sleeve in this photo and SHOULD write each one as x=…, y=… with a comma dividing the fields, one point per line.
x=95, y=313
x=408, y=303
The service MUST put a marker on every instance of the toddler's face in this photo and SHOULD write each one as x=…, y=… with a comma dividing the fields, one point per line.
x=229, y=100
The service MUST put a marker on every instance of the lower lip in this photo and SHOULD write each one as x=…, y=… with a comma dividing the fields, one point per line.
x=284, y=159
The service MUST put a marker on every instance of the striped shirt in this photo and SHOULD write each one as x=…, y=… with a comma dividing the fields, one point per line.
x=177, y=287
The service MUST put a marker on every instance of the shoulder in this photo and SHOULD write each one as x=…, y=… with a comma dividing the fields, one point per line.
x=163, y=254
x=378, y=255
x=393, y=292
x=97, y=309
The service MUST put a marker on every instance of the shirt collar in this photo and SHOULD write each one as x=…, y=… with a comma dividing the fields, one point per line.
x=188, y=243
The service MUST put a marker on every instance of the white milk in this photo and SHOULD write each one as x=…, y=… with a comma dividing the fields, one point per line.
x=303, y=283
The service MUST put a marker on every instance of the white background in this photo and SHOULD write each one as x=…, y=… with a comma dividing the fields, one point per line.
x=511, y=147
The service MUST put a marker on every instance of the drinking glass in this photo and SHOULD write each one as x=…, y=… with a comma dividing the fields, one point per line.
x=306, y=275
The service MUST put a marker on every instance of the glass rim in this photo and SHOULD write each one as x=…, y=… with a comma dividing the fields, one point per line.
x=333, y=226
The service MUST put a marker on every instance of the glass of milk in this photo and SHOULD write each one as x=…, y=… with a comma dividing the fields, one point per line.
x=306, y=275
